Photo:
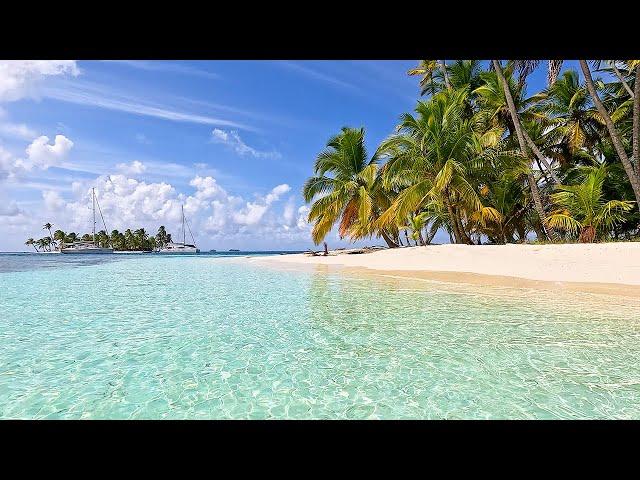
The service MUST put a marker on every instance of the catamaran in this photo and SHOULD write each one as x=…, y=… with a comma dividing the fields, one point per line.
x=88, y=246
x=183, y=247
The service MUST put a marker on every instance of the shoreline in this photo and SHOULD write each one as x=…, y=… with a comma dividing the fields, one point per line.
x=608, y=268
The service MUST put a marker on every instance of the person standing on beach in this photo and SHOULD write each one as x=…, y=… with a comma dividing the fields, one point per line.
x=326, y=252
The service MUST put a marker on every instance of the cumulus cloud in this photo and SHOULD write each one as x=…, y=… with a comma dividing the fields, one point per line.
x=232, y=139
x=253, y=212
x=303, y=215
x=134, y=168
x=21, y=78
x=40, y=155
x=215, y=215
x=52, y=200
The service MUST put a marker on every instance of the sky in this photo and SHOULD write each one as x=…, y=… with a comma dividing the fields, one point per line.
x=232, y=141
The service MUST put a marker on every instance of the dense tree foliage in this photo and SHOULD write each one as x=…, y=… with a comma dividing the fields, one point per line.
x=484, y=161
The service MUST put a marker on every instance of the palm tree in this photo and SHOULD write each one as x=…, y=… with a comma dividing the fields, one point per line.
x=614, y=134
x=574, y=122
x=47, y=226
x=129, y=240
x=59, y=236
x=533, y=185
x=583, y=208
x=161, y=237
x=71, y=237
x=32, y=242
x=344, y=189
x=432, y=159
x=525, y=67
x=141, y=239
x=426, y=69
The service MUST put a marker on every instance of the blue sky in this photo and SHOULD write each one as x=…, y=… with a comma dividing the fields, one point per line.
x=232, y=140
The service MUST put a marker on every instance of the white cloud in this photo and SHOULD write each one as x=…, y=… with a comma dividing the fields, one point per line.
x=40, y=155
x=52, y=200
x=215, y=216
x=303, y=215
x=97, y=95
x=233, y=140
x=21, y=78
x=171, y=67
x=253, y=212
x=17, y=130
x=134, y=168
x=10, y=210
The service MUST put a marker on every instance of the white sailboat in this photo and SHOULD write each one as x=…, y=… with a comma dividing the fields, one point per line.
x=184, y=247
x=88, y=246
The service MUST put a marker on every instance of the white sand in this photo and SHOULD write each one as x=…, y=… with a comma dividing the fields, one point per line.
x=611, y=263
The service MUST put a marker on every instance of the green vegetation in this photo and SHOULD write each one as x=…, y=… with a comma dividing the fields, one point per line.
x=485, y=162
x=137, y=240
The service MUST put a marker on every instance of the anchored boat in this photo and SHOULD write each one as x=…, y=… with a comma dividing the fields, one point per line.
x=88, y=246
x=184, y=247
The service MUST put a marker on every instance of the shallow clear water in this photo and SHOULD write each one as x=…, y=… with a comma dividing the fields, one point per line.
x=204, y=337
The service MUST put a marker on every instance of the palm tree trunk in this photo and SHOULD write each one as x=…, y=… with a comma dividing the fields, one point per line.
x=622, y=80
x=463, y=234
x=387, y=239
x=540, y=156
x=613, y=133
x=636, y=120
x=452, y=218
x=535, y=193
x=443, y=67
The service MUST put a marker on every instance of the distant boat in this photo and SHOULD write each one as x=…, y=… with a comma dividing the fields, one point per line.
x=212, y=251
x=233, y=250
x=184, y=247
x=88, y=246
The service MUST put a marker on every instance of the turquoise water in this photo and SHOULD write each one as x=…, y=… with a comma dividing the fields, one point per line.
x=203, y=337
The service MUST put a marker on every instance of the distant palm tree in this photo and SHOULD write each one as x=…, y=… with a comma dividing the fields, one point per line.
x=33, y=243
x=47, y=226
x=59, y=236
x=42, y=244
x=161, y=237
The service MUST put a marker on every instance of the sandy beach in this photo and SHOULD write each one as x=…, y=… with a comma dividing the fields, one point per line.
x=606, y=267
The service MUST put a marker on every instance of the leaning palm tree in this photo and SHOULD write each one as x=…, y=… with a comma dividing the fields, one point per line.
x=583, y=209
x=343, y=189
x=614, y=133
x=33, y=243
x=533, y=184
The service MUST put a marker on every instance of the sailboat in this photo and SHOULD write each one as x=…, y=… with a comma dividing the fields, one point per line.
x=88, y=246
x=183, y=247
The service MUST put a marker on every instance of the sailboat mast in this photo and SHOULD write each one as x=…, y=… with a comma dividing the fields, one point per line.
x=93, y=198
x=184, y=234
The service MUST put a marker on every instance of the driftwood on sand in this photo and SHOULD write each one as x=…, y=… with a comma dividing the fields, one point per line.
x=343, y=251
